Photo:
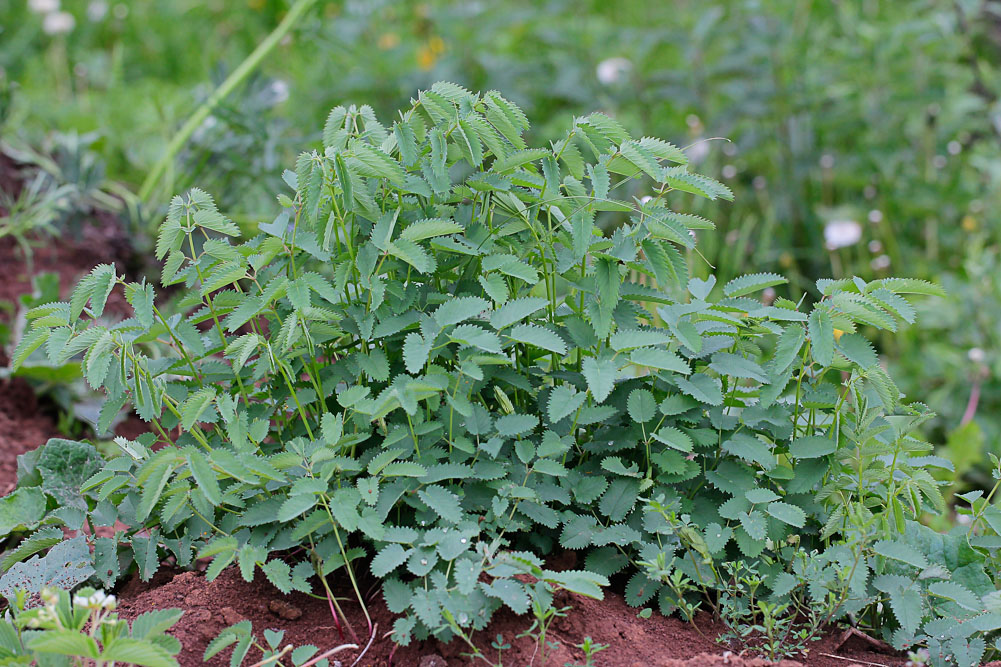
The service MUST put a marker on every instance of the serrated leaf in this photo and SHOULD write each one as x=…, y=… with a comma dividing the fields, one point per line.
x=540, y=337
x=516, y=310
x=443, y=502
x=629, y=340
x=454, y=311
x=429, y=228
x=195, y=406
x=752, y=283
x=388, y=559
x=515, y=425
x=412, y=254
x=470, y=334
x=600, y=375
x=415, y=352
x=642, y=406
x=900, y=551
x=564, y=401
x=811, y=447
x=660, y=359
x=786, y=513
x=619, y=499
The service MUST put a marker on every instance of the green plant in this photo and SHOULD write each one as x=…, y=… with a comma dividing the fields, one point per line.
x=241, y=637
x=590, y=649
x=434, y=362
x=83, y=629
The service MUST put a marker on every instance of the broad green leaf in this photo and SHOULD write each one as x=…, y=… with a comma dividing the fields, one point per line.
x=532, y=334
x=600, y=375
x=821, y=337
x=564, y=401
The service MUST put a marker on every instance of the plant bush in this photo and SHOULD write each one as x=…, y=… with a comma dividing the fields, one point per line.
x=434, y=366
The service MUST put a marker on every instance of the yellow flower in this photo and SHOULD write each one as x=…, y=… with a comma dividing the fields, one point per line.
x=425, y=59
x=838, y=333
x=969, y=223
x=427, y=54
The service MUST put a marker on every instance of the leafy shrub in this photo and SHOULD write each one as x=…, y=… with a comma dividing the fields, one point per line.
x=435, y=365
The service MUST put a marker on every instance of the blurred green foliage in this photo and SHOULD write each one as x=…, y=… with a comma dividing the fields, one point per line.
x=860, y=138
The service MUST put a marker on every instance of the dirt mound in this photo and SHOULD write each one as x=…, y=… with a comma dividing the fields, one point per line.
x=24, y=425
x=633, y=641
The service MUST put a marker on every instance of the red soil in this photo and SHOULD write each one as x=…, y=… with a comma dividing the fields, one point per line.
x=24, y=423
x=633, y=642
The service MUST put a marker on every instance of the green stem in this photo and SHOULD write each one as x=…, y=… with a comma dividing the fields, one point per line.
x=219, y=94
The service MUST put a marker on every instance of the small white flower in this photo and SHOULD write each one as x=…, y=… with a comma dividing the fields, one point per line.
x=976, y=355
x=842, y=233
x=875, y=216
x=826, y=160
x=881, y=262
x=58, y=23
x=729, y=171
x=954, y=147
x=875, y=246
x=43, y=6
x=963, y=519
x=612, y=70
x=645, y=198
x=96, y=600
x=97, y=10
x=280, y=90
x=49, y=596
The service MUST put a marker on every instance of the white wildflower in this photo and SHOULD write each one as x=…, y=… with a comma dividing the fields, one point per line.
x=645, y=198
x=875, y=216
x=954, y=147
x=729, y=171
x=875, y=246
x=842, y=233
x=280, y=90
x=613, y=70
x=43, y=6
x=58, y=23
x=97, y=10
x=976, y=355
x=881, y=262
x=826, y=160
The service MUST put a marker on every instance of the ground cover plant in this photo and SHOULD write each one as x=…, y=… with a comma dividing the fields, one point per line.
x=434, y=368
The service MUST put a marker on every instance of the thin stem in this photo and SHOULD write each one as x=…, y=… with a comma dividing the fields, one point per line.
x=237, y=77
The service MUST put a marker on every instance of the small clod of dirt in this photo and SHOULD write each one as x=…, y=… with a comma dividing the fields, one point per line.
x=283, y=609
